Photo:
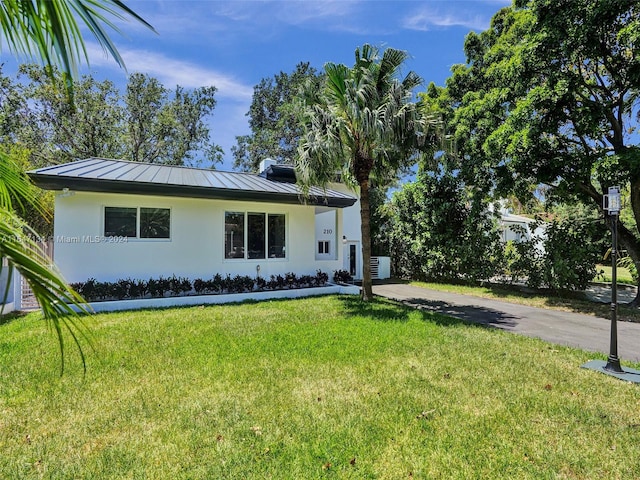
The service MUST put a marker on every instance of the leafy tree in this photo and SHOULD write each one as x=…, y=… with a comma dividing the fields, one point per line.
x=549, y=95
x=362, y=124
x=442, y=230
x=48, y=30
x=161, y=129
x=12, y=102
x=274, y=125
x=148, y=123
x=57, y=131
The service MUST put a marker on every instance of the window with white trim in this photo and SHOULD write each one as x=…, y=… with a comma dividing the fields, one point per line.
x=323, y=247
x=254, y=235
x=137, y=222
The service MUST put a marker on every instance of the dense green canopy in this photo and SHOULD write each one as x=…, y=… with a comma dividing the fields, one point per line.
x=549, y=95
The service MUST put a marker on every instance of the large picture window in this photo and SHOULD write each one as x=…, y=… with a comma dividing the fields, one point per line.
x=137, y=222
x=254, y=235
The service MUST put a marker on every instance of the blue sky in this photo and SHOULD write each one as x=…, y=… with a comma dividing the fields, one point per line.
x=234, y=44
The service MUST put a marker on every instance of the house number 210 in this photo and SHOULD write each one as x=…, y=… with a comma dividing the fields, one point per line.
x=327, y=231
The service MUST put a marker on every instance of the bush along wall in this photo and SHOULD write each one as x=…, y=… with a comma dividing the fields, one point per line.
x=126, y=289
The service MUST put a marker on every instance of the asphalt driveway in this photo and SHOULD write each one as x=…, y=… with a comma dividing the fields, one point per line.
x=562, y=328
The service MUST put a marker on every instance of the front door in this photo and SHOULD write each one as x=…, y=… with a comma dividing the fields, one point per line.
x=351, y=259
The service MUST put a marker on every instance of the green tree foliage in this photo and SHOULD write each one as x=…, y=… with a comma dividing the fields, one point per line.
x=56, y=131
x=168, y=128
x=549, y=95
x=363, y=124
x=275, y=129
x=147, y=123
x=564, y=258
x=380, y=220
x=443, y=231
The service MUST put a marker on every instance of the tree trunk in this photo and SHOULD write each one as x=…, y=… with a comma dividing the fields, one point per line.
x=626, y=238
x=629, y=240
x=365, y=230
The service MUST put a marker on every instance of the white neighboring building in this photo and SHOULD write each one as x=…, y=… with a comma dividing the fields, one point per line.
x=518, y=228
x=117, y=219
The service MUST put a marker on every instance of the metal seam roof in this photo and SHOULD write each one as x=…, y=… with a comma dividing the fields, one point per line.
x=120, y=176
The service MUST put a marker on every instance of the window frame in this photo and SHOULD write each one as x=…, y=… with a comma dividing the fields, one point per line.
x=326, y=247
x=138, y=220
x=246, y=235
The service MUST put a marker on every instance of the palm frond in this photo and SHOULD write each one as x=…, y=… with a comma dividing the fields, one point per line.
x=389, y=67
x=48, y=30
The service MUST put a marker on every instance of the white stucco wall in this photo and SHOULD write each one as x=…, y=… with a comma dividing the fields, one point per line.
x=327, y=230
x=350, y=215
x=351, y=232
x=196, y=246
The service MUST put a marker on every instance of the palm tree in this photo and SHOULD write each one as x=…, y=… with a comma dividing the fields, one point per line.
x=364, y=126
x=48, y=31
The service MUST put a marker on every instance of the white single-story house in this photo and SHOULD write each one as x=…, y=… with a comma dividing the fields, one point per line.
x=117, y=219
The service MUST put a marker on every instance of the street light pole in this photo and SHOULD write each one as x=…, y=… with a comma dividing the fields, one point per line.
x=613, y=207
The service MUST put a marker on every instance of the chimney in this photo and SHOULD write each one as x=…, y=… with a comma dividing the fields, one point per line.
x=266, y=163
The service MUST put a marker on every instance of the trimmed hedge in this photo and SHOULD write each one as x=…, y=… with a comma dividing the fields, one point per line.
x=92, y=290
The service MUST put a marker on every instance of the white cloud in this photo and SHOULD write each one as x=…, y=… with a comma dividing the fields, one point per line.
x=430, y=18
x=171, y=72
x=298, y=13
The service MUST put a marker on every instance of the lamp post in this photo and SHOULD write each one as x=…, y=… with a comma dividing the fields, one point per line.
x=612, y=206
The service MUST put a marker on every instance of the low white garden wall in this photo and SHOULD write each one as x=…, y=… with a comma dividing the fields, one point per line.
x=111, y=306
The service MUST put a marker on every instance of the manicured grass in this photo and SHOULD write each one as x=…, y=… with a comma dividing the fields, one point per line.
x=622, y=274
x=307, y=389
x=571, y=301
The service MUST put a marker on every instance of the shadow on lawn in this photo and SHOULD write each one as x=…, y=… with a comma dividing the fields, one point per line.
x=7, y=318
x=578, y=302
x=474, y=315
x=439, y=312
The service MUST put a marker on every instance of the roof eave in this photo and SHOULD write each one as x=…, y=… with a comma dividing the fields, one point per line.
x=56, y=182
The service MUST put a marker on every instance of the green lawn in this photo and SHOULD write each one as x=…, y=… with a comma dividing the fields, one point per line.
x=623, y=274
x=304, y=389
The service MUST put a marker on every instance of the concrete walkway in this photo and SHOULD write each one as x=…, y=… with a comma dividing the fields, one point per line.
x=562, y=328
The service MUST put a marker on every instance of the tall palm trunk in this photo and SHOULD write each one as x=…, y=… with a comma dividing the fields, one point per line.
x=365, y=230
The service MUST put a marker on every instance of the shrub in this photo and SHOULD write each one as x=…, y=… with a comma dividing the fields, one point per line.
x=342, y=276
x=92, y=290
x=200, y=286
x=442, y=230
x=321, y=278
x=563, y=259
x=179, y=285
x=158, y=287
x=120, y=289
x=290, y=279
